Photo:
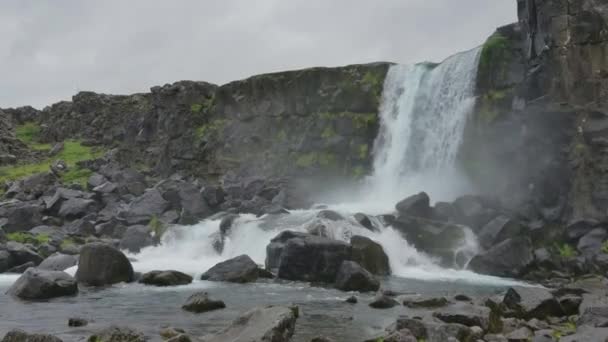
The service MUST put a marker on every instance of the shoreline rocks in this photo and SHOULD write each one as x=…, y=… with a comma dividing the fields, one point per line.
x=101, y=264
x=36, y=284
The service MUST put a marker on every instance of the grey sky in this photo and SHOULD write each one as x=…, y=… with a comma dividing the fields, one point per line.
x=52, y=49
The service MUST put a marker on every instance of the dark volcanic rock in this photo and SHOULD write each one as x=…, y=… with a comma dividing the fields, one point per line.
x=77, y=322
x=370, y=255
x=510, y=258
x=276, y=246
x=311, y=258
x=465, y=314
x=17, y=335
x=101, y=264
x=165, y=278
x=272, y=323
x=383, y=302
x=416, y=205
x=37, y=284
x=364, y=220
x=240, y=269
x=21, y=216
x=498, y=230
x=118, y=334
x=200, y=302
x=426, y=302
x=21, y=268
x=21, y=254
x=353, y=277
x=532, y=302
x=135, y=238
x=143, y=208
x=6, y=261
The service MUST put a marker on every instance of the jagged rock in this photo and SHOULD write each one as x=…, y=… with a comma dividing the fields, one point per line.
x=570, y=304
x=81, y=227
x=240, y=269
x=21, y=254
x=74, y=208
x=118, y=334
x=426, y=302
x=498, y=230
x=370, y=255
x=579, y=228
x=21, y=268
x=309, y=258
x=383, y=302
x=213, y=195
x=273, y=323
x=591, y=243
x=21, y=216
x=135, y=238
x=77, y=322
x=200, y=302
x=532, y=302
x=510, y=258
x=58, y=262
x=465, y=314
x=470, y=211
x=101, y=264
x=6, y=261
x=276, y=246
x=143, y=208
x=31, y=187
x=105, y=188
x=594, y=316
x=364, y=220
x=96, y=180
x=416, y=205
x=353, y=277
x=17, y=335
x=165, y=278
x=37, y=284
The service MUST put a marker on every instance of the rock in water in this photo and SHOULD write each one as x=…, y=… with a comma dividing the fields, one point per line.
x=136, y=238
x=58, y=262
x=532, y=302
x=417, y=205
x=17, y=335
x=200, y=302
x=100, y=265
x=118, y=334
x=383, y=302
x=165, y=278
x=370, y=255
x=268, y=324
x=509, y=258
x=236, y=270
x=37, y=284
x=353, y=277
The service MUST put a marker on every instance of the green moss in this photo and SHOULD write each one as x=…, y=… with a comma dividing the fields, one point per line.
x=73, y=152
x=29, y=134
x=495, y=51
x=328, y=132
x=25, y=237
x=157, y=227
x=605, y=247
x=282, y=135
x=77, y=175
x=358, y=172
x=306, y=160
x=326, y=159
x=196, y=108
x=363, y=151
x=565, y=251
x=360, y=120
x=67, y=243
x=204, y=107
x=210, y=128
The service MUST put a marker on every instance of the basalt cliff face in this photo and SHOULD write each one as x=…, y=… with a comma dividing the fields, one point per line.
x=538, y=137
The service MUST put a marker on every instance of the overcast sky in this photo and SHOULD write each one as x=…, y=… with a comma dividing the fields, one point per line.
x=52, y=49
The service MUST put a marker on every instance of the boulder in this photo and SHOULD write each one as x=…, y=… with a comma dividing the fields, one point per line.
x=417, y=205
x=21, y=216
x=471, y=211
x=96, y=180
x=144, y=207
x=200, y=302
x=596, y=315
x=240, y=269
x=510, y=258
x=425, y=302
x=101, y=264
x=21, y=254
x=330, y=215
x=465, y=314
x=531, y=302
x=58, y=262
x=74, y=208
x=118, y=334
x=135, y=238
x=77, y=322
x=578, y=228
x=276, y=246
x=6, y=261
x=36, y=284
x=272, y=323
x=81, y=227
x=383, y=302
x=31, y=187
x=312, y=258
x=365, y=221
x=370, y=255
x=21, y=268
x=353, y=277
x=498, y=230
x=17, y=335
x=213, y=195
x=194, y=207
x=165, y=278
x=2, y=235
x=591, y=243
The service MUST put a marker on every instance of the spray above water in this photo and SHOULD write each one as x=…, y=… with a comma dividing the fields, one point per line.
x=423, y=115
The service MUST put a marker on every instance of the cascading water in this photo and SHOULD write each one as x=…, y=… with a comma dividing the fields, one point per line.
x=423, y=114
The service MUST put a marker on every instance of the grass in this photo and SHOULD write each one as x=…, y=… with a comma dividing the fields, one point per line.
x=565, y=251
x=605, y=247
x=25, y=237
x=67, y=243
x=157, y=227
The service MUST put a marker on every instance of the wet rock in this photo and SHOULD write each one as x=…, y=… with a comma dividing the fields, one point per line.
x=144, y=207
x=321, y=339
x=180, y=338
x=170, y=332
x=426, y=302
x=118, y=334
x=200, y=302
x=330, y=215
x=240, y=269
x=510, y=258
x=21, y=268
x=587, y=334
x=498, y=230
x=273, y=323
x=37, y=284
x=383, y=302
x=353, y=277
x=416, y=205
x=415, y=326
x=370, y=255
x=213, y=195
x=310, y=258
x=2, y=235
x=470, y=211
x=21, y=254
x=465, y=314
x=6, y=261
x=276, y=246
x=532, y=302
x=578, y=228
x=101, y=264
x=17, y=335
x=135, y=238
x=462, y=298
x=570, y=304
x=351, y=300
x=364, y=220
x=77, y=322
x=165, y=278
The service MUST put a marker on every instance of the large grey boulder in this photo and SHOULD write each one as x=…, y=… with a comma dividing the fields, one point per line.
x=591, y=243
x=510, y=258
x=241, y=269
x=135, y=238
x=6, y=261
x=276, y=246
x=200, y=302
x=312, y=258
x=370, y=255
x=118, y=334
x=165, y=278
x=416, y=205
x=31, y=187
x=498, y=230
x=144, y=207
x=532, y=302
x=465, y=314
x=37, y=284
x=268, y=324
x=74, y=208
x=21, y=216
x=101, y=265
x=17, y=335
x=353, y=277
x=58, y=262
x=22, y=254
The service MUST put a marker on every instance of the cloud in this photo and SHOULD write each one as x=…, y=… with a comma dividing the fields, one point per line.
x=52, y=49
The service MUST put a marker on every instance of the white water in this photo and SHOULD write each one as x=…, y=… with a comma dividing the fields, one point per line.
x=424, y=111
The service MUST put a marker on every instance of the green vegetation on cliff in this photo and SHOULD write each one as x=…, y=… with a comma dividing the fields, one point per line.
x=495, y=52
x=28, y=133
